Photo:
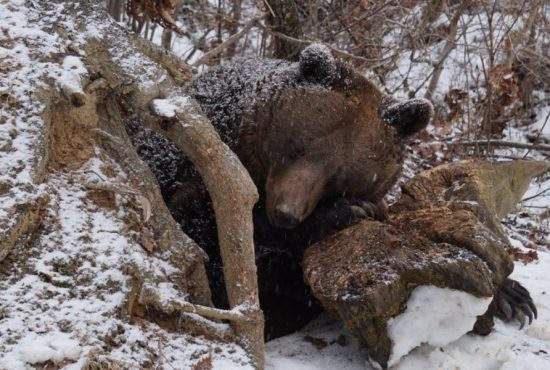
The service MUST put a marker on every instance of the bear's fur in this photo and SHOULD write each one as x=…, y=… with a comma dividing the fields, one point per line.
x=321, y=142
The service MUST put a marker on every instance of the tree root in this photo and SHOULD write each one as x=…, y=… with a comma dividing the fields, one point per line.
x=233, y=196
x=150, y=296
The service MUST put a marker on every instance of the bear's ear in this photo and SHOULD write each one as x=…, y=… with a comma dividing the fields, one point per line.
x=317, y=64
x=409, y=116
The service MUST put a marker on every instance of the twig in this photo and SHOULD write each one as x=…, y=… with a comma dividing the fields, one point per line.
x=508, y=144
x=270, y=8
x=540, y=132
x=536, y=195
x=115, y=188
x=109, y=137
x=230, y=41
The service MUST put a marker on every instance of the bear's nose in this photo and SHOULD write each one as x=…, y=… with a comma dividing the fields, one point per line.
x=283, y=217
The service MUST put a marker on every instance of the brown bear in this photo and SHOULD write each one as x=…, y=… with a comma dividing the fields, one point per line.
x=323, y=144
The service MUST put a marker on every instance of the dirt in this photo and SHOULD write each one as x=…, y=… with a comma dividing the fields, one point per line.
x=70, y=135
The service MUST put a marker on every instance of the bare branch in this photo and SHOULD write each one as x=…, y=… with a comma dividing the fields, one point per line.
x=449, y=46
x=230, y=41
x=151, y=297
x=508, y=144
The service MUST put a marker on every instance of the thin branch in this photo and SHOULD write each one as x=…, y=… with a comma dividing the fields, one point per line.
x=508, y=144
x=540, y=132
x=536, y=195
x=149, y=296
x=224, y=45
x=333, y=49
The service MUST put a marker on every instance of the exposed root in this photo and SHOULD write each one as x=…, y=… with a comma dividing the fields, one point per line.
x=25, y=221
x=150, y=296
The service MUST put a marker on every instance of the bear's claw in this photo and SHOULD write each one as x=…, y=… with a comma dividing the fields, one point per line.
x=513, y=302
x=348, y=211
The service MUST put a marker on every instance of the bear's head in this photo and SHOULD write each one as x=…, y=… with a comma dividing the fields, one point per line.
x=331, y=134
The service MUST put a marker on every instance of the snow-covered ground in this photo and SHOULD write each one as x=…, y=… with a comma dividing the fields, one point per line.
x=63, y=302
x=62, y=295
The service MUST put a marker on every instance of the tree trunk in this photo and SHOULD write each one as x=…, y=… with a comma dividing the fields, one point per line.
x=116, y=9
x=166, y=39
x=236, y=10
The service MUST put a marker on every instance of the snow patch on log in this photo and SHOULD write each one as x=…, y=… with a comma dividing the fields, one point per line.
x=168, y=108
x=436, y=316
x=71, y=78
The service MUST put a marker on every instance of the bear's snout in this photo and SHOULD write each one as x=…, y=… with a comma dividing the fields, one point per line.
x=293, y=192
x=283, y=217
x=288, y=210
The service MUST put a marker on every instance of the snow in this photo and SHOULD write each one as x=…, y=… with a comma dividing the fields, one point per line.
x=169, y=107
x=70, y=296
x=35, y=348
x=70, y=79
x=296, y=352
x=23, y=67
x=506, y=347
x=436, y=316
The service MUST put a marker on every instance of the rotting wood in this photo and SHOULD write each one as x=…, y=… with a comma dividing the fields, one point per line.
x=26, y=220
